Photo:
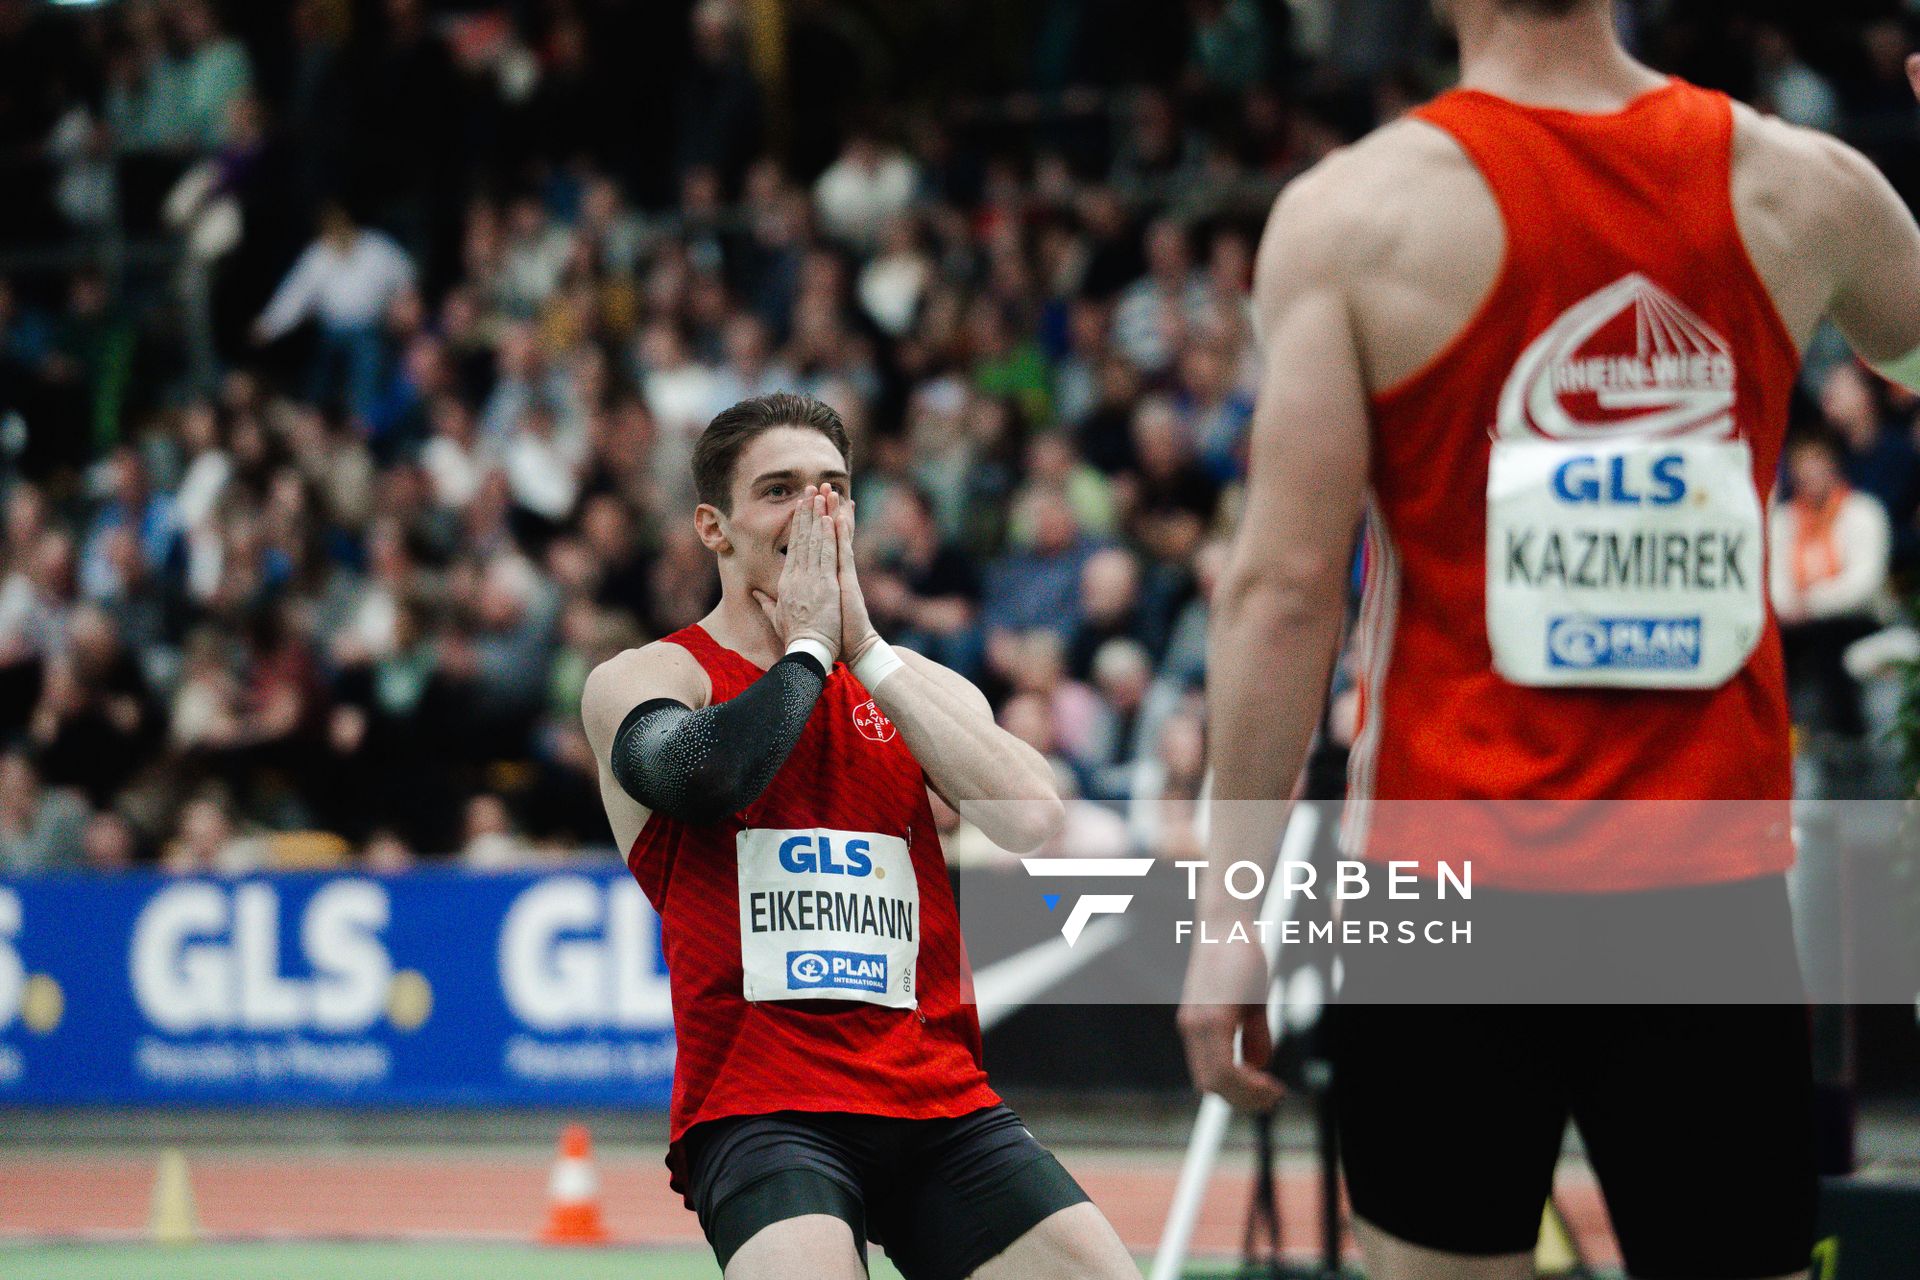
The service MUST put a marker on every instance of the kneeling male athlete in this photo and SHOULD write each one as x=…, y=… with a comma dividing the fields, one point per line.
x=767, y=771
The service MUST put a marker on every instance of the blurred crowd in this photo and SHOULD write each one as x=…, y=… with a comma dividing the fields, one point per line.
x=314, y=521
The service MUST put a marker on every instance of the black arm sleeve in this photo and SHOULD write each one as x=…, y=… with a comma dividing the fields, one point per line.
x=702, y=766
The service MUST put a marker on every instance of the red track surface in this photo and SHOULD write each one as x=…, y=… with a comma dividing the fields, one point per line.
x=459, y=1194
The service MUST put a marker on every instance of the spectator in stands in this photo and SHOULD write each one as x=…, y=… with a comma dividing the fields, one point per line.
x=1880, y=455
x=346, y=279
x=926, y=589
x=132, y=504
x=1789, y=87
x=718, y=109
x=396, y=736
x=897, y=277
x=868, y=186
x=1229, y=52
x=1827, y=558
x=1163, y=801
x=1039, y=586
x=1214, y=412
x=40, y=826
x=490, y=842
x=1122, y=674
x=109, y=844
x=36, y=597
x=97, y=721
x=214, y=74
x=1168, y=498
x=208, y=841
x=1155, y=311
x=1109, y=607
x=1053, y=463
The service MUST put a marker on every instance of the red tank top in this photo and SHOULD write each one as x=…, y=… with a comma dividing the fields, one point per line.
x=1627, y=309
x=850, y=774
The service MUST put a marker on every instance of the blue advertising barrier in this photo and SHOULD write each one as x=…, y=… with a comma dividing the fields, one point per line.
x=433, y=987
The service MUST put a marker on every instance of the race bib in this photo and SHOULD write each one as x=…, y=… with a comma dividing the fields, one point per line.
x=1623, y=564
x=828, y=915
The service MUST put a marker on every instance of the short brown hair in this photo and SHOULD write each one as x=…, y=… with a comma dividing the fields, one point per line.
x=1545, y=8
x=732, y=429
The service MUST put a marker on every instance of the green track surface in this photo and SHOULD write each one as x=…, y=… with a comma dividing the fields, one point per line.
x=341, y=1260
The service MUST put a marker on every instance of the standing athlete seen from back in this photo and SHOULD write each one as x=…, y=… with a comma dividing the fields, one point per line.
x=1517, y=325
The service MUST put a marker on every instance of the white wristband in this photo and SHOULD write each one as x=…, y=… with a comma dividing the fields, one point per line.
x=814, y=649
x=876, y=664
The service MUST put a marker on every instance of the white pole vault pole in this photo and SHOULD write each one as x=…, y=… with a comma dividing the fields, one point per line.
x=1210, y=1125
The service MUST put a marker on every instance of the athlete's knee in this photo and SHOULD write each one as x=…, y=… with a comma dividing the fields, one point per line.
x=1390, y=1258
x=1074, y=1243
x=813, y=1244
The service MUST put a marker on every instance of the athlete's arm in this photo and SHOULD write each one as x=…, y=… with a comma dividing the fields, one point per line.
x=985, y=774
x=615, y=688
x=1277, y=612
x=1875, y=256
x=701, y=766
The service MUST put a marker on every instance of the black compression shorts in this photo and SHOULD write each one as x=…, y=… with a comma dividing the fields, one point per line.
x=941, y=1196
x=1696, y=1119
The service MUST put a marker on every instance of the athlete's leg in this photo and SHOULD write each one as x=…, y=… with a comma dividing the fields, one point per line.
x=779, y=1195
x=1390, y=1258
x=1703, y=1140
x=1074, y=1243
x=814, y=1244
x=978, y=1195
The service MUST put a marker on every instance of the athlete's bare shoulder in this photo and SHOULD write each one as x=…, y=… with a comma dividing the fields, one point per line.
x=632, y=676
x=614, y=688
x=1402, y=223
x=1820, y=222
x=1349, y=211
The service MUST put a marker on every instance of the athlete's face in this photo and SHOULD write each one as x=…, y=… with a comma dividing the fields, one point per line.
x=769, y=476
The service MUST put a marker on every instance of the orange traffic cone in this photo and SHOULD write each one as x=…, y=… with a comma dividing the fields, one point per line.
x=573, y=1193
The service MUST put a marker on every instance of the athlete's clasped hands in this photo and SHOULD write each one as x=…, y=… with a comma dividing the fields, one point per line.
x=818, y=597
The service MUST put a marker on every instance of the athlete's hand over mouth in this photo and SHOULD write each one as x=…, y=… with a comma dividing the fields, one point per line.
x=856, y=628
x=808, y=605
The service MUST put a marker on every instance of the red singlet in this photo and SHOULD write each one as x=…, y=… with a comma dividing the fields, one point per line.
x=1629, y=329
x=850, y=787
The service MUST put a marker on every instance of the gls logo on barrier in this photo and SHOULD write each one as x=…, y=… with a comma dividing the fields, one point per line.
x=1583, y=480
x=1092, y=904
x=575, y=958
x=206, y=957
